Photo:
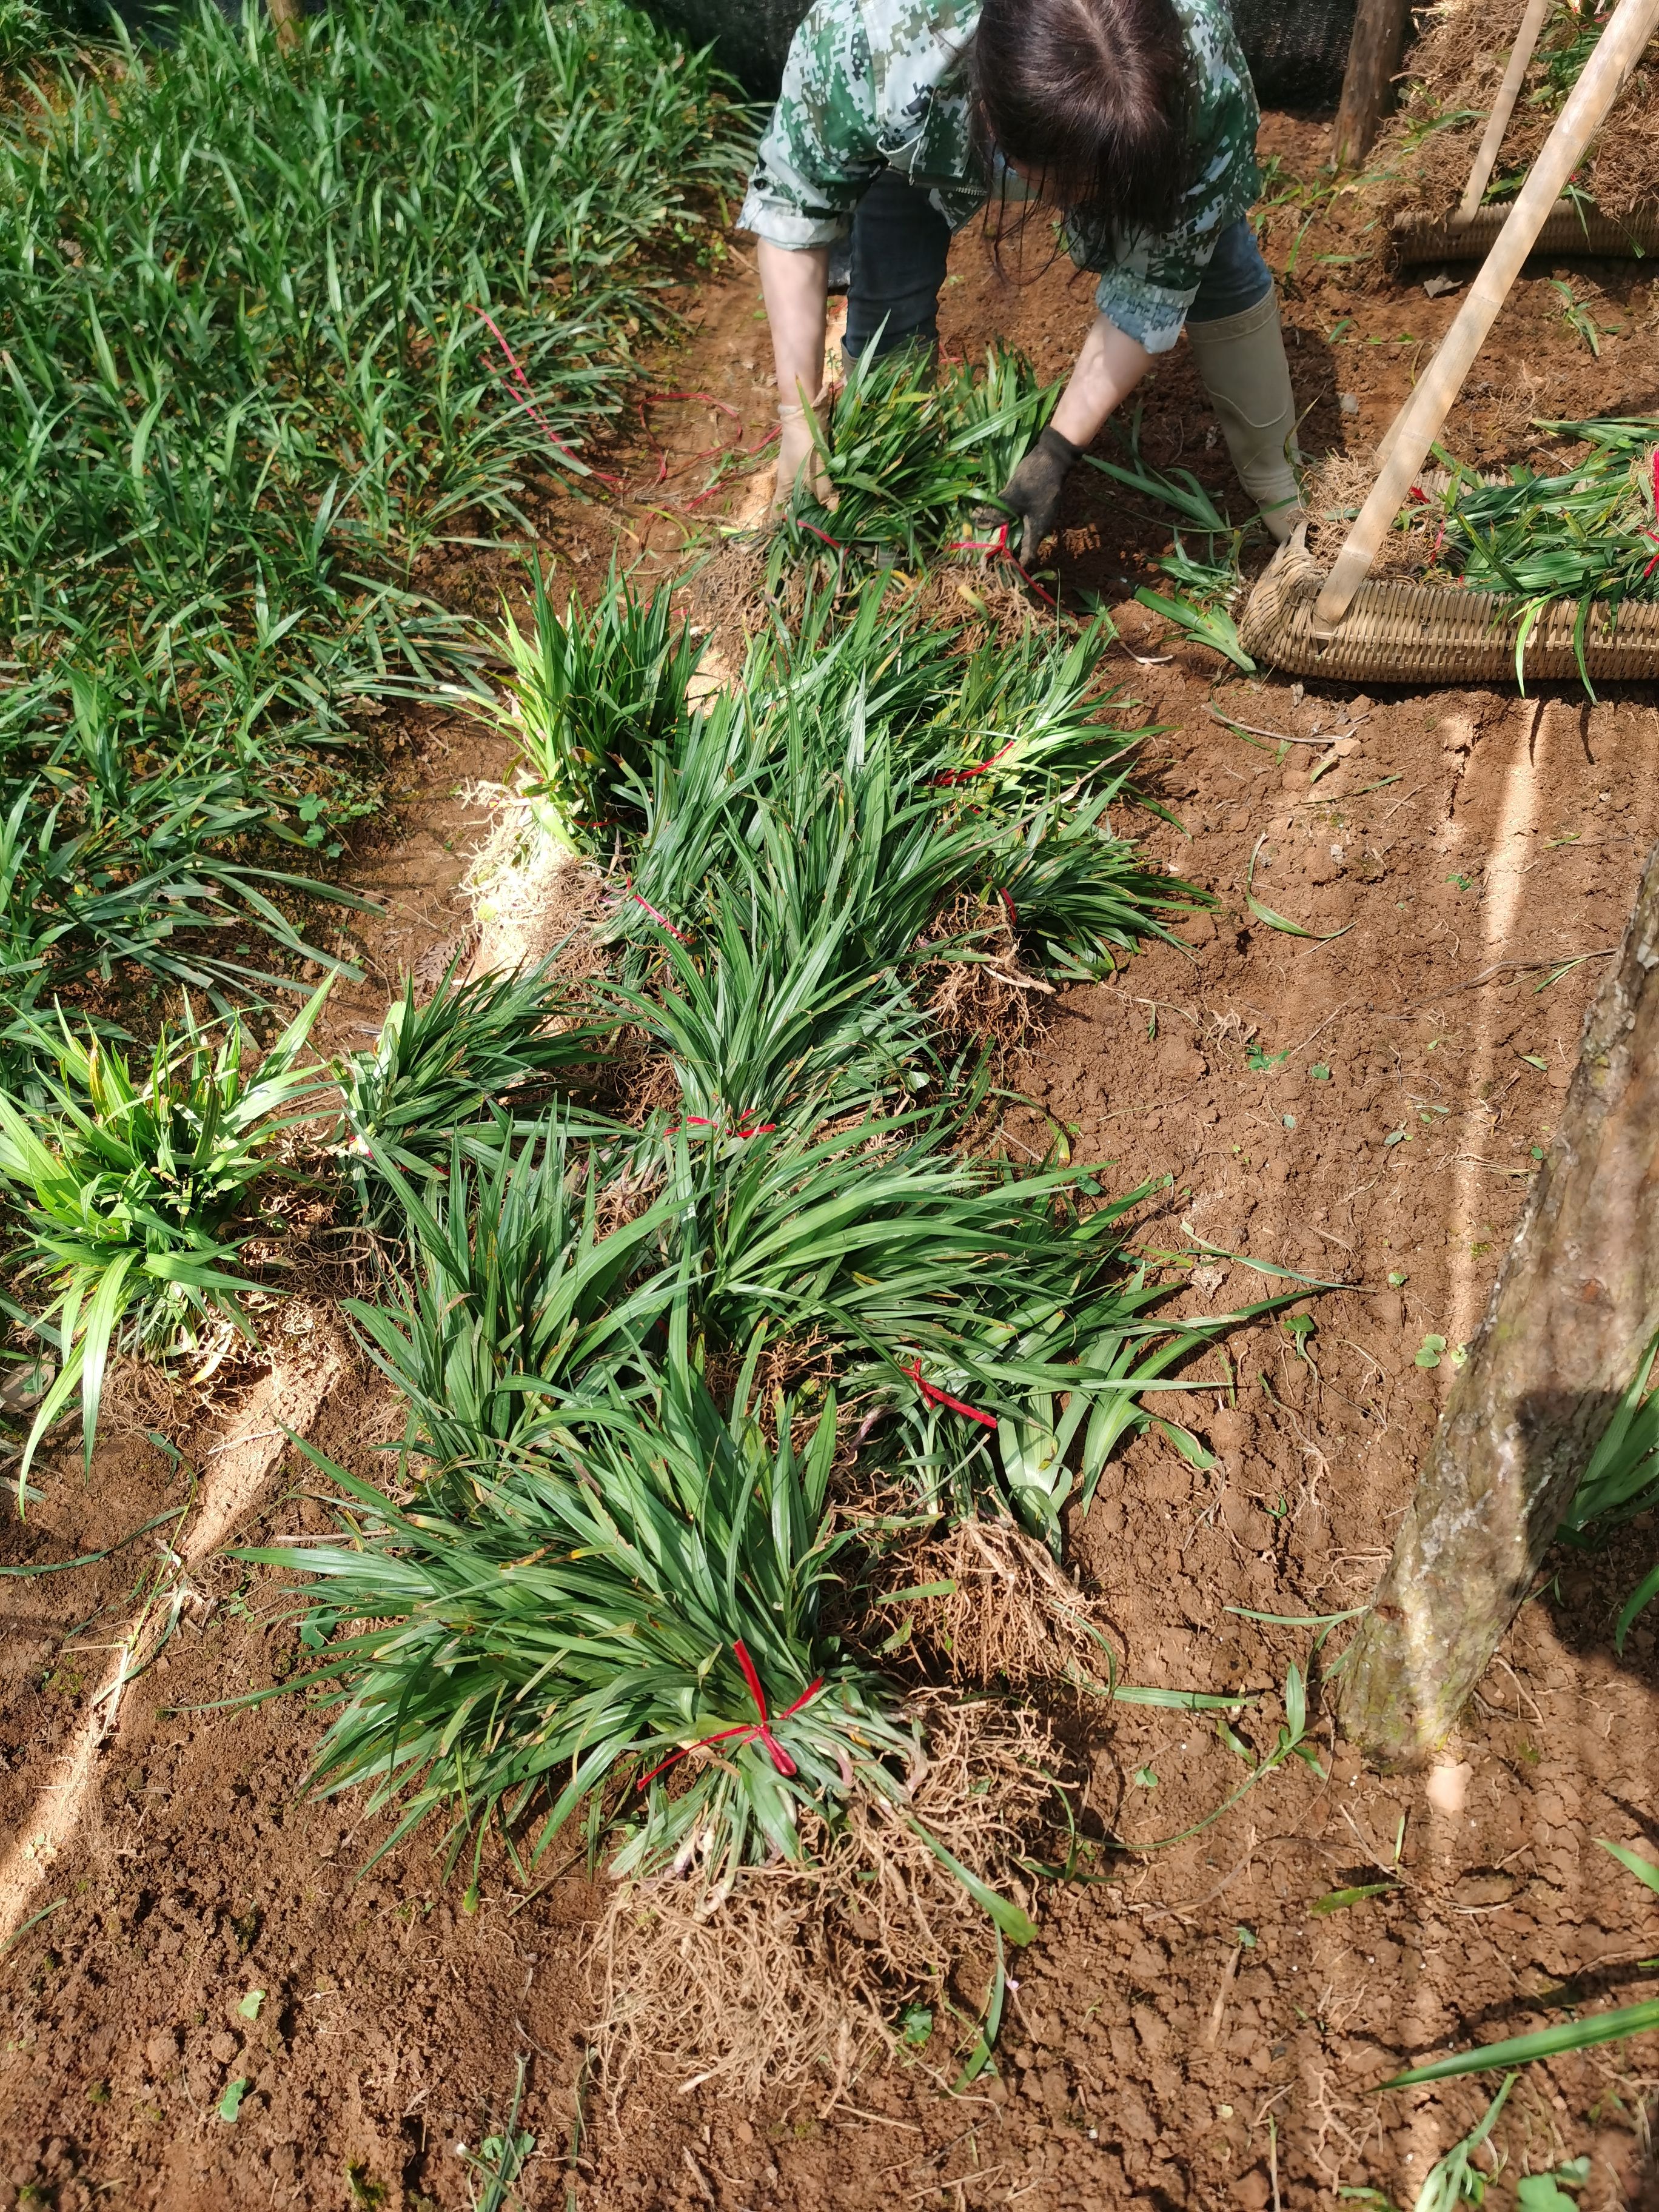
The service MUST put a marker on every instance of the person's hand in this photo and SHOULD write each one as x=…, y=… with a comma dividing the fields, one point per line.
x=800, y=460
x=1033, y=490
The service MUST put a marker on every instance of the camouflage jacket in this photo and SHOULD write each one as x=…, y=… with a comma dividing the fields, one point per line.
x=875, y=83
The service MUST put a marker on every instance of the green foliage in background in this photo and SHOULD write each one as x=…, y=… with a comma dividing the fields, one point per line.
x=247, y=399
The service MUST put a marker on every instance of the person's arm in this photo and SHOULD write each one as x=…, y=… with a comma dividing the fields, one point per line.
x=1109, y=367
x=815, y=162
x=795, y=285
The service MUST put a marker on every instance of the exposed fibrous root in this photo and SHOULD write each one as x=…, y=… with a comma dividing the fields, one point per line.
x=1012, y=1612
x=991, y=998
x=1333, y=493
x=1452, y=75
x=529, y=892
x=791, y=1984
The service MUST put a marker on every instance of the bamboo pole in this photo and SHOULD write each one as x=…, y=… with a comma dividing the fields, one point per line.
x=1417, y=427
x=1374, y=51
x=1508, y=93
x=1575, y=1306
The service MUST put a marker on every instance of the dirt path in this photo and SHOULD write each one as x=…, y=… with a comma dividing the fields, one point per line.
x=1366, y=1109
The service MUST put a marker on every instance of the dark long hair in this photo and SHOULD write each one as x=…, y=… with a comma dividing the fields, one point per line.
x=1091, y=96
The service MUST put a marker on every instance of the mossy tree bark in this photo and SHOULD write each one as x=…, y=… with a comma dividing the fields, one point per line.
x=1575, y=1305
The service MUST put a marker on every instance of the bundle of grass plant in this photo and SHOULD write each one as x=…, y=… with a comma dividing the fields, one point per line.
x=911, y=453
x=283, y=331
x=478, y=1060
x=1424, y=156
x=638, y=1603
x=1587, y=531
x=595, y=695
x=128, y=1191
x=513, y=1291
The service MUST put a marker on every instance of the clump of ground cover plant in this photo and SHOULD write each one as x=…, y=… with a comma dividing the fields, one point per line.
x=645, y=1364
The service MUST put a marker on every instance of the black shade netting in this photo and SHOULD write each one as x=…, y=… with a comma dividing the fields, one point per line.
x=1296, y=49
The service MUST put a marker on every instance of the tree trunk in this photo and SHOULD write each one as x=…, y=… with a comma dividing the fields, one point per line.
x=286, y=16
x=1575, y=1305
x=1379, y=40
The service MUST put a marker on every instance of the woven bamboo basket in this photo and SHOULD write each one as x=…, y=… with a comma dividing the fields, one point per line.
x=1398, y=632
x=1569, y=230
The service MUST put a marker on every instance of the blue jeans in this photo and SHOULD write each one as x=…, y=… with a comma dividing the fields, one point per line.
x=900, y=241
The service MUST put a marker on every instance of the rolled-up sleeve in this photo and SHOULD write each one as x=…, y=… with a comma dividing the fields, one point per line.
x=821, y=149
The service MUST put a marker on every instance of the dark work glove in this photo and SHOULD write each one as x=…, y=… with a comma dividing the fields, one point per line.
x=1033, y=490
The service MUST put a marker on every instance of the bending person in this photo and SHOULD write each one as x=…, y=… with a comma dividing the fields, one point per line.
x=1136, y=119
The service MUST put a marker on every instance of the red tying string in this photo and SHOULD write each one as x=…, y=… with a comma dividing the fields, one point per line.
x=1000, y=548
x=1013, y=919
x=1653, y=534
x=943, y=1398
x=745, y=1126
x=748, y=452
x=650, y=400
x=705, y=399
x=535, y=412
x=745, y=1730
x=656, y=916
x=967, y=775
x=834, y=545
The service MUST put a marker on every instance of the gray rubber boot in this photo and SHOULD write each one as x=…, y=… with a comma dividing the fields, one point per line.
x=1241, y=361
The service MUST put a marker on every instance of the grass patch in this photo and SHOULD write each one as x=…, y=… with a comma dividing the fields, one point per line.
x=246, y=401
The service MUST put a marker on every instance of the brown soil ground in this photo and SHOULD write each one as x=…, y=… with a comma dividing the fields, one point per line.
x=1369, y=1110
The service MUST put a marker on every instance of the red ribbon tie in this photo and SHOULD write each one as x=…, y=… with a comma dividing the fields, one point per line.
x=535, y=412
x=747, y=1731
x=934, y=1397
x=999, y=549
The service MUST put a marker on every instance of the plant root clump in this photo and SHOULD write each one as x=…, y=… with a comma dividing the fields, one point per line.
x=1335, y=491
x=791, y=1984
x=529, y=894
x=991, y=998
x=1013, y=1614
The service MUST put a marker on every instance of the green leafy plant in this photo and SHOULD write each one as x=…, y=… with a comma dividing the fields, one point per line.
x=478, y=1058
x=127, y=1189
x=629, y=1602
x=276, y=327
x=500, y=2159
x=1620, y=1482
x=512, y=1292
x=595, y=692
x=1586, y=533
x=911, y=453
x=1576, y=317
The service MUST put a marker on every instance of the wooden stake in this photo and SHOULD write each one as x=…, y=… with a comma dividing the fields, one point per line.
x=286, y=17
x=1498, y=121
x=1374, y=52
x=1418, y=424
x=1575, y=1305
